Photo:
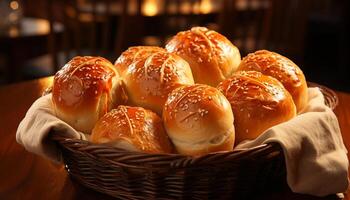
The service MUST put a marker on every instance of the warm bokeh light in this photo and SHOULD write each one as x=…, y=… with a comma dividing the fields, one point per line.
x=14, y=5
x=13, y=32
x=185, y=8
x=13, y=17
x=241, y=4
x=150, y=8
x=196, y=8
x=206, y=6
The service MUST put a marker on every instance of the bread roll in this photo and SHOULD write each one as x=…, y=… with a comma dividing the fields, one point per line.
x=150, y=74
x=212, y=57
x=258, y=102
x=84, y=90
x=133, y=129
x=134, y=54
x=199, y=120
x=281, y=68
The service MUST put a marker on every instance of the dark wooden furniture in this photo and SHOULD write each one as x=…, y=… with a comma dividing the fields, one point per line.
x=266, y=24
x=30, y=33
x=90, y=28
x=247, y=23
x=24, y=175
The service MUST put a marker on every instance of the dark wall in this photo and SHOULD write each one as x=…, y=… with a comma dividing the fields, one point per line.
x=327, y=46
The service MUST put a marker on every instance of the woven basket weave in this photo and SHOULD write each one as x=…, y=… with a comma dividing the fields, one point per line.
x=133, y=175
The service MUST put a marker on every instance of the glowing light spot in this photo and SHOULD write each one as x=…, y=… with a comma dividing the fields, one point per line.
x=150, y=8
x=206, y=6
x=14, y=5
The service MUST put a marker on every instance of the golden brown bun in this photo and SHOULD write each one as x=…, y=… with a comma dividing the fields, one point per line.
x=281, y=68
x=133, y=129
x=199, y=120
x=132, y=55
x=258, y=102
x=84, y=90
x=150, y=74
x=212, y=56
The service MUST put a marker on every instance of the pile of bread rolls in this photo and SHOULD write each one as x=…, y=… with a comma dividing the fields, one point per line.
x=193, y=97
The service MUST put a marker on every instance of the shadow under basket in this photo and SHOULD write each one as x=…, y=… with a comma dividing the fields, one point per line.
x=136, y=175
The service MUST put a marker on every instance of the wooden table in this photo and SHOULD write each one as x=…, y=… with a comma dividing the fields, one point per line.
x=24, y=175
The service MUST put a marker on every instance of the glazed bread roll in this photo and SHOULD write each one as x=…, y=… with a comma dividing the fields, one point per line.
x=150, y=74
x=212, y=56
x=199, y=120
x=134, y=54
x=133, y=129
x=258, y=102
x=281, y=68
x=84, y=90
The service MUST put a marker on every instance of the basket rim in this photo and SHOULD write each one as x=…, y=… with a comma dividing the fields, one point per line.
x=105, y=153
x=327, y=92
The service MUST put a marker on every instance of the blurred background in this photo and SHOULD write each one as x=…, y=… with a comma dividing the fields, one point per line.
x=38, y=36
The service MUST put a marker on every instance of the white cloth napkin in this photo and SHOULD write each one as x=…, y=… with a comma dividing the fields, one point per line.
x=34, y=129
x=315, y=155
x=316, y=158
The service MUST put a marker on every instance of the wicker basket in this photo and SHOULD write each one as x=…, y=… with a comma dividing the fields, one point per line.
x=132, y=175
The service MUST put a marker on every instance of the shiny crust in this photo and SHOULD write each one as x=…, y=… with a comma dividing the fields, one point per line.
x=132, y=128
x=281, y=68
x=84, y=90
x=258, y=102
x=134, y=54
x=212, y=56
x=199, y=120
x=150, y=74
